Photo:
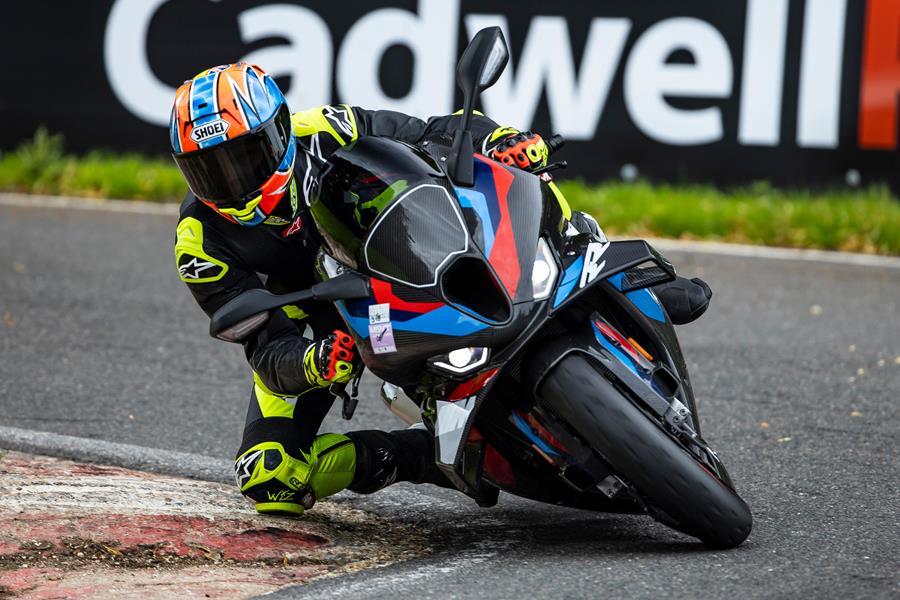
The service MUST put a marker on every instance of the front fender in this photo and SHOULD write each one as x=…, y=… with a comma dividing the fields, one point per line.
x=653, y=384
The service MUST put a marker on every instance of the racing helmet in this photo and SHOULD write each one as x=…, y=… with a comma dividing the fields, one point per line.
x=230, y=135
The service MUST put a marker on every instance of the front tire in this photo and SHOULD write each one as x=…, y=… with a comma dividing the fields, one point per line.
x=644, y=455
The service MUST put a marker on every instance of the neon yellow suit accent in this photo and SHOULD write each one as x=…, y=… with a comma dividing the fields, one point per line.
x=195, y=265
x=314, y=120
x=282, y=484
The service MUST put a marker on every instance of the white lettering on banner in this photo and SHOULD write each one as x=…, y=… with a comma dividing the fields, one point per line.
x=127, y=67
x=306, y=58
x=765, y=36
x=649, y=79
x=819, y=110
x=431, y=36
x=546, y=65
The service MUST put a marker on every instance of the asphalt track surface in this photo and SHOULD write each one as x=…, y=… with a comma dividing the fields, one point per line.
x=796, y=367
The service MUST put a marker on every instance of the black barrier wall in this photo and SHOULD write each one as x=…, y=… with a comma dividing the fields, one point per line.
x=793, y=91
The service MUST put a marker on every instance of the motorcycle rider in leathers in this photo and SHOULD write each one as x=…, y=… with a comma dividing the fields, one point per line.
x=251, y=166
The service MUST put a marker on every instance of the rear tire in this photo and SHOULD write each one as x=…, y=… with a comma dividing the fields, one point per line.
x=644, y=455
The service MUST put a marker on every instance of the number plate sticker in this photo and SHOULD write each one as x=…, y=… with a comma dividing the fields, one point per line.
x=379, y=313
x=382, y=337
x=381, y=331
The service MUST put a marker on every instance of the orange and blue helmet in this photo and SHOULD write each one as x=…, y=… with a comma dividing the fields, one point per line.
x=230, y=134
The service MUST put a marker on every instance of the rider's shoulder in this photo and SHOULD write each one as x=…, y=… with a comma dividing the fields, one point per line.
x=336, y=120
x=192, y=208
x=196, y=221
x=199, y=248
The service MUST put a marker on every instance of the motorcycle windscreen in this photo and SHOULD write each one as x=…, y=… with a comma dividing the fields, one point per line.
x=358, y=183
x=416, y=236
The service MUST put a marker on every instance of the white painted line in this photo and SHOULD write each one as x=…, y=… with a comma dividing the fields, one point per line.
x=66, y=202
x=772, y=253
x=128, y=456
x=664, y=245
x=405, y=577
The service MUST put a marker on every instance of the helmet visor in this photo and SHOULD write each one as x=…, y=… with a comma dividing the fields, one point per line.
x=229, y=172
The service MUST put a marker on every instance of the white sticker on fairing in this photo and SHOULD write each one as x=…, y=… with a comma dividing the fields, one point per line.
x=382, y=337
x=379, y=313
x=592, y=264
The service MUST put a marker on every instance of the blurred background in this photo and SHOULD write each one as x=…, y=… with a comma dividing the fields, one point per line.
x=761, y=121
x=788, y=91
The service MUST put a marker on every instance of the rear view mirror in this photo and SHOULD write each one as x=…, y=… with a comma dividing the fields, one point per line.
x=482, y=62
x=480, y=66
x=243, y=315
x=246, y=313
x=243, y=329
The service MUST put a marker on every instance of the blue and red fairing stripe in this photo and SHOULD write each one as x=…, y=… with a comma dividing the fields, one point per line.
x=489, y=199
x=420, y=317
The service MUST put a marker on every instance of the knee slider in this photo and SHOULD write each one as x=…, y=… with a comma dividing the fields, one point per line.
x=270, y=477
x=267, y=473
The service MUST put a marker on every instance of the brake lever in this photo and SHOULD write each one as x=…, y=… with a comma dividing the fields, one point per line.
x=551, y=167
x=349, y=400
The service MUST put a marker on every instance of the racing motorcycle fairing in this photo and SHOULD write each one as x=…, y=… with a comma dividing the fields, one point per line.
x=450, y=267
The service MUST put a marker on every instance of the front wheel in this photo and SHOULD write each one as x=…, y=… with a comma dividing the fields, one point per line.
x=642, y=454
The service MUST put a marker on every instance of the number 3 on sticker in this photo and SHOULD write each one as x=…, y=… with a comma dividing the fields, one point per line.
x=592, y=264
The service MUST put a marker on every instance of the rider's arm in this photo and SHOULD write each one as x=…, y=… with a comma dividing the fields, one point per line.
x=215, y=275
x=343, y=124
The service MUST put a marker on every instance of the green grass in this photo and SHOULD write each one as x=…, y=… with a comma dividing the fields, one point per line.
x=41, y=167
x=860, y=221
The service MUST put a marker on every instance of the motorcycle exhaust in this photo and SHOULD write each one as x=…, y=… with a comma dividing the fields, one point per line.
x=400, y=404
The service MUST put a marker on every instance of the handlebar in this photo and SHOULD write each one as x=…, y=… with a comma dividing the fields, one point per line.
x=555, y=143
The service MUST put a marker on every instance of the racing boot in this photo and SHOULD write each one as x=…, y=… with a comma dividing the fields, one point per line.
x=284, y=484
x=684, y=299
x=383, y=458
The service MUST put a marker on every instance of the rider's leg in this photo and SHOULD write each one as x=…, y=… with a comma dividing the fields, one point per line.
x=383, y=458
x=284, y=466
x=684, y=299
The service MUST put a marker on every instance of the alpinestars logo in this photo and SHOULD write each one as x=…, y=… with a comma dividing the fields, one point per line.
x=294, y=228
x=340, y=117
x=244, y=466
x=193, y=268
x=592, y=264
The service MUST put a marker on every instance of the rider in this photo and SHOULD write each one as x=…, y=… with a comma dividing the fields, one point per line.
x=251, y=166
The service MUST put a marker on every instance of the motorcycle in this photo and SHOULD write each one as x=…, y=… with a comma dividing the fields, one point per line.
x=534, y=352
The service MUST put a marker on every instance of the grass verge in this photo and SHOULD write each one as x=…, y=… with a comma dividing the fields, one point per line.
x=865, y=220
x=40, y=166
x=859, y=221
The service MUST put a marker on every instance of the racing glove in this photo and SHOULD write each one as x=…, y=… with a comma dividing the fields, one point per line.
x=330, y=360
x=523, y=149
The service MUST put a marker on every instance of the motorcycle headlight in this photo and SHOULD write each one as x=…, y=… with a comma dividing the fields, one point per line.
x=461, y=360
x=544, y=271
